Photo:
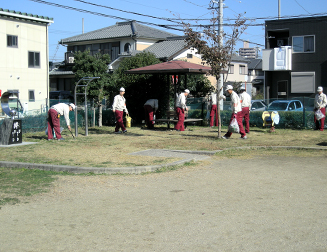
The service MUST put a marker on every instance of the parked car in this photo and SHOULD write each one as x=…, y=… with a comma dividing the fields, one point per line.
x=286, y=105
x=258, y=105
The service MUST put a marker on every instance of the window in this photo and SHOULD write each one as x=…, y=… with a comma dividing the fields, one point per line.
x=291, y=106
x=242, y=69
x=303, y=44
x=259, y=73
x=189, y=56
x=127, y=47
x=31, y=97
x=298, y=104
x=33, y=59
x=231, y=69
x=12, y=41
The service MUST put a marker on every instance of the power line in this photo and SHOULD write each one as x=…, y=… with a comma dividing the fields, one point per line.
x=101, y=14
x=130, y=12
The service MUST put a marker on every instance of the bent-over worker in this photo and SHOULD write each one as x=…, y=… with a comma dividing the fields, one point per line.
x=54, y=113
x=150, y=108
x=118, y=107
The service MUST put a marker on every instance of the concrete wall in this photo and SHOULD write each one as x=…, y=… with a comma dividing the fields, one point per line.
x=14, y=70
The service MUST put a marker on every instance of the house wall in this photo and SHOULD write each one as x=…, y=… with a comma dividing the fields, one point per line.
x=306, y=61
x=196, y=59
x=142, y=44
x=14, y=70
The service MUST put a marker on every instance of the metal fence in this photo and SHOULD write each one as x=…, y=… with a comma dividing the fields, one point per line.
x=36, y=120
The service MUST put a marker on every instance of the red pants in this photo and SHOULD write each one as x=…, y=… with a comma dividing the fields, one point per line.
x=213, y=114
x=239, y=118
x=53, y=123
x=246, y=116
x=181, y=118
x=320, y=125
x=119, y=120
x=149, y=116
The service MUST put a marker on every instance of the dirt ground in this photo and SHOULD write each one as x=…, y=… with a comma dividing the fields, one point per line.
x=262, y=204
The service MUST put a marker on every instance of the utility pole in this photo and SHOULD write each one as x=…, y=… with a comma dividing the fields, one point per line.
x=221, y=44
x=278, y=9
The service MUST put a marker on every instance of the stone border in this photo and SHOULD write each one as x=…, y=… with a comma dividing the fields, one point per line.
x=135, y=169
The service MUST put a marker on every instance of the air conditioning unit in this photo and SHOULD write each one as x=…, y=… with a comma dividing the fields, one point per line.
x=70, y=60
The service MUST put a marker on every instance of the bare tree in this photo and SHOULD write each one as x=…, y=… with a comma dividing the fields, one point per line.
x=213, y=52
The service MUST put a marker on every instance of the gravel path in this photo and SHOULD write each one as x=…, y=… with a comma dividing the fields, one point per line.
x=220, y=205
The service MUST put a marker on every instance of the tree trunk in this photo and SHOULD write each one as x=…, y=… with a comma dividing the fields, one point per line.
x=93, y=121
x=100, y=114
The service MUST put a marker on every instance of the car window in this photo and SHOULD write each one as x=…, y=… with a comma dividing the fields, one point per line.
x=278, y=106
x=291, y=106
x=254, y=105
x=260, y=105
x=298, y=104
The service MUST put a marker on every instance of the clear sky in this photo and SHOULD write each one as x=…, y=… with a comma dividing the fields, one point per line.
x=68, y=22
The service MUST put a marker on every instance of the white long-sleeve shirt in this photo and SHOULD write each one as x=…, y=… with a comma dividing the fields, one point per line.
x=213, y=99
x=235, y=103
x=181, y=101
x=153, y=103
x=119, y=103
x=245, y=99
x=63, y=110
x=320, y=100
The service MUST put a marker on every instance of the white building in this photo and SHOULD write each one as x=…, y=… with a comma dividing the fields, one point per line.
x=24, y=66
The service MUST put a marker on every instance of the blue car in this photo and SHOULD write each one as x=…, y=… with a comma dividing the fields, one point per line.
x=285, y=105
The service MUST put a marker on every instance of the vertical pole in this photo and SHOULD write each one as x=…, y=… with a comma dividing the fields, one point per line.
x=86, y=121
x=221, y=43
x=75, y=101
x=279, y=9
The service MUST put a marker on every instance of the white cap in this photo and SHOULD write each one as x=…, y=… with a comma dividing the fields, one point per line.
x=319, y=89
x=186, y=91
x=122, y=89
x=72, y=105
x=228, y=87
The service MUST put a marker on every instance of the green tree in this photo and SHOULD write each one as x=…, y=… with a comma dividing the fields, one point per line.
x=198, y=84
x=213, y=52
x=87, y=65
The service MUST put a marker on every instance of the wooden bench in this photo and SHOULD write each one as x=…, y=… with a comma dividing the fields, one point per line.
x=172, y=118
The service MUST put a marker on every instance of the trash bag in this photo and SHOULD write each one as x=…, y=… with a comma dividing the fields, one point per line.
x=233, y=126
x=319, y=115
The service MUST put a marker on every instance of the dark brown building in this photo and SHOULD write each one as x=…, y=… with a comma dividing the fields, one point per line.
x=295, y=58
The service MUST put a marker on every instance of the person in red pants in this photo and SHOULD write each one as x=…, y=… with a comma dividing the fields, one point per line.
x=245, y=99
x=180, y=108
x=213, y=109
x=118, y=107
x=150, y=107
x=54, y=113
x=320, y=103
x=237, y=112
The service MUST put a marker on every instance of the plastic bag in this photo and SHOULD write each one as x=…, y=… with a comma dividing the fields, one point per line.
x=233, y=126
x=319, y=115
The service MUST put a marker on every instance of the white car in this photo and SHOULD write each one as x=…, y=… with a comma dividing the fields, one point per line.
x=258, y=105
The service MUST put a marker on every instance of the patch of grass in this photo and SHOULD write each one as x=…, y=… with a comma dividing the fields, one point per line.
x=102, y=148
x=18, y=183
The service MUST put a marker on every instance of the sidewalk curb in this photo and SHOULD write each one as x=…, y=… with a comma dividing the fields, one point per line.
x=137, y=169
